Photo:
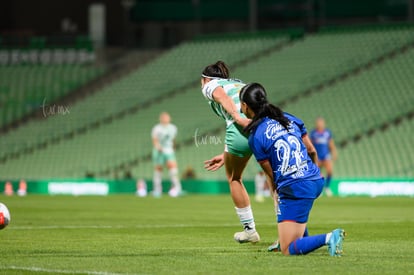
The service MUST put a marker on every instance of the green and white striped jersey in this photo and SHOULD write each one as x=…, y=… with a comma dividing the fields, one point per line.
x=165, y=134
x=231, y=87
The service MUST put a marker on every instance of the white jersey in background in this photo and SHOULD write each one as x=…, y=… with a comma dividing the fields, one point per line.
x=165, y=134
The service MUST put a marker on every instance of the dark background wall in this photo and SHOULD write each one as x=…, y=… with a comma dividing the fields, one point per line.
x=43, y=17
x=162, y=23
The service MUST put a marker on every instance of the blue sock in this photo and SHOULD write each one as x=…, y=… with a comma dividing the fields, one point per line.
x=306, y=233
x=305, y=245
x=328, y=181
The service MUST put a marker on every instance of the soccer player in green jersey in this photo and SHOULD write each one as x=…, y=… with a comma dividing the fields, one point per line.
x=223, y=96
x=163, y=136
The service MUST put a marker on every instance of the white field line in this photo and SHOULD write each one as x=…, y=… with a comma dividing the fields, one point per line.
x=141, y=226
x=57, y=271
x=149, y=226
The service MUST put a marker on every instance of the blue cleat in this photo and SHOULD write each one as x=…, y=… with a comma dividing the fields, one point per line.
x=335, y=242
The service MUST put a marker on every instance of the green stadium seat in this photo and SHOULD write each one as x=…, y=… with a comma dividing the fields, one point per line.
x=352, y=106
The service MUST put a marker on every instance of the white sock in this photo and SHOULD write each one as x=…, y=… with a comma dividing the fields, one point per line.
x=246, y=218
x=156, y=182
x=175, y=180
x=328, y=236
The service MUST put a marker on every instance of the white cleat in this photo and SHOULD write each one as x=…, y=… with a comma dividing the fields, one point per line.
x=259, y=198
x=328, y=192
x=246, y=237
x=174, y=192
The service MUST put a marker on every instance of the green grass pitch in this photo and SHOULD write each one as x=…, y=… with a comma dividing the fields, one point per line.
x=123, y=234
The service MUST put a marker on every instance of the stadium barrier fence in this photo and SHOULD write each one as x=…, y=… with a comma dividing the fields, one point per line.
x=340, y=187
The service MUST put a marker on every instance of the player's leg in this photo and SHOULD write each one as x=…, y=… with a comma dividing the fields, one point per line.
x=157, y=181
x=175, y=180
x=276, y=246
x=157, y=159
x=329, y=171
x=259, y=184
x=234, y=168
x=292, y=218
x=237, y=154
x=291, y=244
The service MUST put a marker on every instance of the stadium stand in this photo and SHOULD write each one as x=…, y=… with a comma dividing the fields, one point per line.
x=138, y=90
x=363, y=101
x=38, y=69
x=383, y=155
x=319, y=58
x=344, y=75
x=23, y=88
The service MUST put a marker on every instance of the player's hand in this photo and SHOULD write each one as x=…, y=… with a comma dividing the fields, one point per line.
x=214, y=163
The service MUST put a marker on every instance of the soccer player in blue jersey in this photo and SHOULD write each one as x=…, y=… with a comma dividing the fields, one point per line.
x=222, y=94
x=321, y=138
x=280, y=144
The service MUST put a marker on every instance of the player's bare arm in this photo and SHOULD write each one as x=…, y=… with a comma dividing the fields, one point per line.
x=310, y=148
x=221, y=97
x=156, y=144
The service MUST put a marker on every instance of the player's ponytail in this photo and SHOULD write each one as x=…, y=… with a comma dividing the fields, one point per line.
x=218, y=69
x=254, y=95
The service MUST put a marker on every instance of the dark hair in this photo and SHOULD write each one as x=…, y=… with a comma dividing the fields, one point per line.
x=254, y=95
x=218, y=69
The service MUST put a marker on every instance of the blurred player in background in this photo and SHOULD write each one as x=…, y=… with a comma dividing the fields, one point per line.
x=223, y=96
x=322, y=139
x=163, y=137
x=280, y=144
x=261, y=187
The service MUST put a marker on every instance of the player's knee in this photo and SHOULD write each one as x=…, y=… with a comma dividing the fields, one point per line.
x=234, y=180
x=285, y=250
x=172, y=165
x=173, y=171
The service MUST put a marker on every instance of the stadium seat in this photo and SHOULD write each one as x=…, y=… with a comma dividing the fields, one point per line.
x=351, y=106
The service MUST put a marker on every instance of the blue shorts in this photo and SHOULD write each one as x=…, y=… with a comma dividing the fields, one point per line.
x=324, y=157
x=295, y=201
x=296, y=210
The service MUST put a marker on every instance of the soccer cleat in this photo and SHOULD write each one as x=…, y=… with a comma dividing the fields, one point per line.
x=259, y=198
x=328, y=192
x=335, y=242
x=246, y=237
x=174, y=192
x=156, y=194
x=275, y=247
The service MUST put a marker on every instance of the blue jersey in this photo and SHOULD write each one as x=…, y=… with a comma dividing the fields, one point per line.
x=292, y=167
x=320, y=140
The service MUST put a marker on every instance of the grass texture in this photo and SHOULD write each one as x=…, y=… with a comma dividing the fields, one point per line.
x=124, y=234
